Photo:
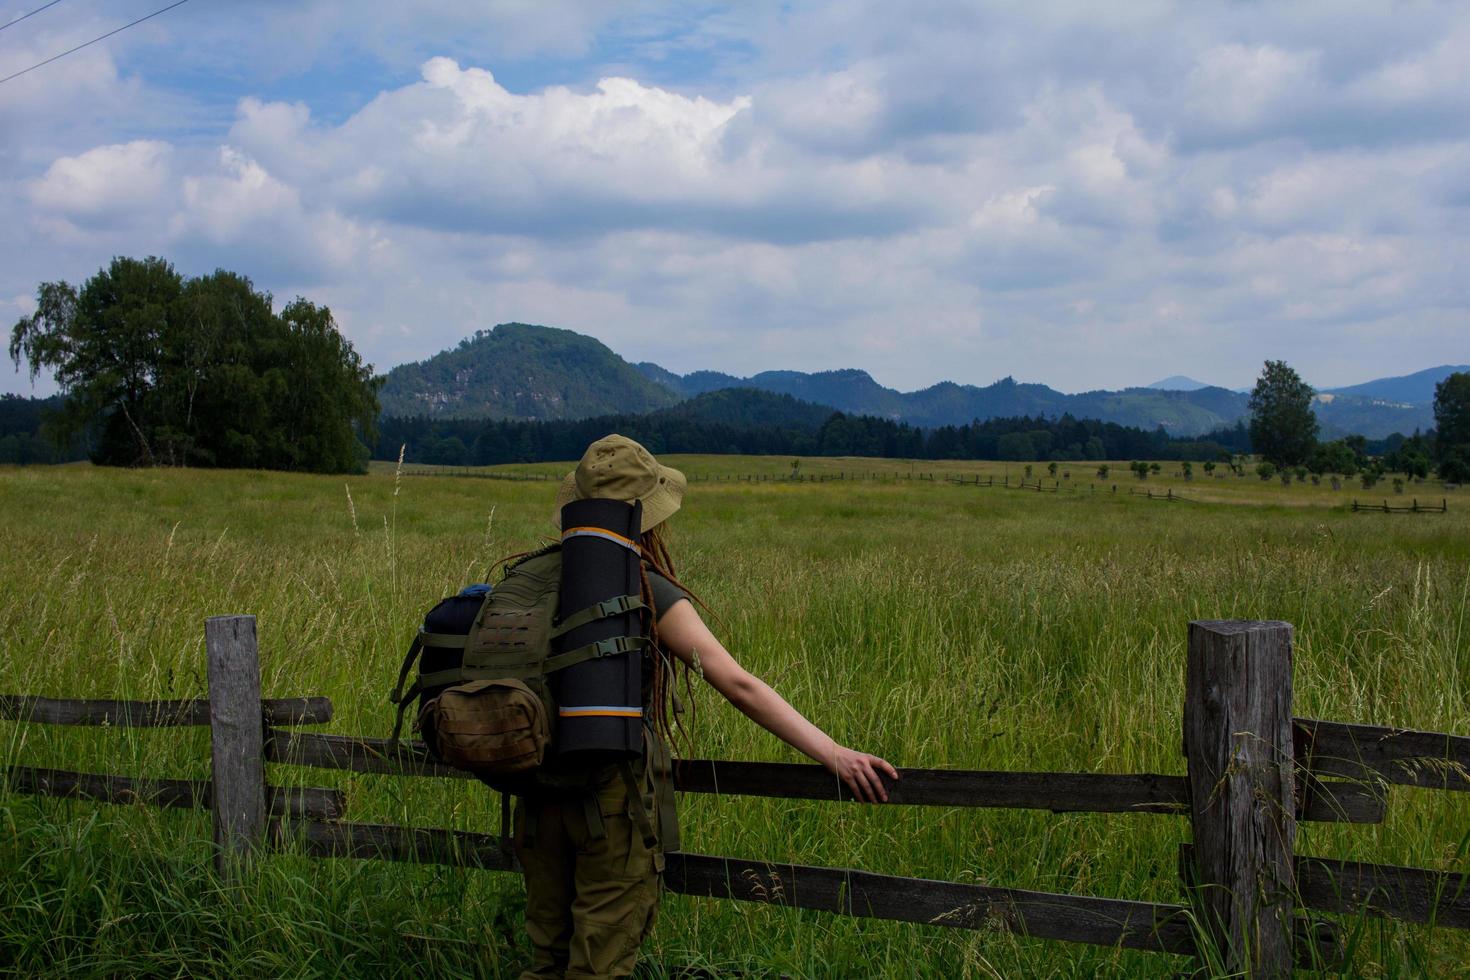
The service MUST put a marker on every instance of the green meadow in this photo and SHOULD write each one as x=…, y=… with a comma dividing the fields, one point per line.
x=934, y=624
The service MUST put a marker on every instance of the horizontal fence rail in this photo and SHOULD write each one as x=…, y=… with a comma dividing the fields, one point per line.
x=1433, y=760
x=1334, y=802
x=1109, y=922
x=1387, y=891
x=1384, y=891
x=152, y=714
x=1074, y=918
x=315, y=802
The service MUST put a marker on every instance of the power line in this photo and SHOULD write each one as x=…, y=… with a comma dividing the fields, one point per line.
x=31, y=14
x=41, y=64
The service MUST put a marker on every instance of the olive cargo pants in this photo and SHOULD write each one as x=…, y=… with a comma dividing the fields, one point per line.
x=590, y=898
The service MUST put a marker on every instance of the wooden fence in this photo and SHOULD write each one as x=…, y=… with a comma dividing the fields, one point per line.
x=1252, y=771
x=1413, y=508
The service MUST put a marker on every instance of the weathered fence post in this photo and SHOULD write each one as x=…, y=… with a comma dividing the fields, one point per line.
x=237, y=736
x=1238, y=742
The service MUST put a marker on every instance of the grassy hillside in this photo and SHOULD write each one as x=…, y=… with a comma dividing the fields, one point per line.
x=935, y=624
x=520, y=371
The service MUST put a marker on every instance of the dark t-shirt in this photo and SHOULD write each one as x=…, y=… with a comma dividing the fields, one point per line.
x=665, y=593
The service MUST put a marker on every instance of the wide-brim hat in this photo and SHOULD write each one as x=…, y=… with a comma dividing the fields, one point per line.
x=618, y=468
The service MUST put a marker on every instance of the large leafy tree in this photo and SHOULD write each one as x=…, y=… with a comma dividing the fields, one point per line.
x=166, y=370
x=1283, y=426
x=1452, y=426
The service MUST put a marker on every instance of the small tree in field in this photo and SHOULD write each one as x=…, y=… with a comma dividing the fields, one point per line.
x=1283, y=427
x=1051, y=468
x=1210, y=469
x=1187, y=468
x=1265, y=470
x=1102, y=472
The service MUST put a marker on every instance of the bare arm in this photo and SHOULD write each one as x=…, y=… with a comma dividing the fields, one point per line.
x=681, y=631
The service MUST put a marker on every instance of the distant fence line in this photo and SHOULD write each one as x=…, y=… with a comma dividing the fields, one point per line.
x=900, y=476
x=1252, y=772
x=1413, y=508
x=875, y=476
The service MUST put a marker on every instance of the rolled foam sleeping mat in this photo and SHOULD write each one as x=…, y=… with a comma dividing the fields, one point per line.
x=599, y=701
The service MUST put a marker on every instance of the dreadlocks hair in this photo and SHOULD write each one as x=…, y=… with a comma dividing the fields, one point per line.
x=666, y=705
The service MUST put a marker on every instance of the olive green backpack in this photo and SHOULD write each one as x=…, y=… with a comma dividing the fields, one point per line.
x=486, y=695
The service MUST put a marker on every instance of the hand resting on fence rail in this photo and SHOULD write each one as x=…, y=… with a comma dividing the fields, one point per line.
x=1058, y=792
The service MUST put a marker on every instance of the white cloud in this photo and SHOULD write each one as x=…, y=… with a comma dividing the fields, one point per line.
x=108, y=184
x=1075, y=194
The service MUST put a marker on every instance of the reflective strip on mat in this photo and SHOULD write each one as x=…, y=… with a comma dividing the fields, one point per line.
x=601, y=711
x=598, y=532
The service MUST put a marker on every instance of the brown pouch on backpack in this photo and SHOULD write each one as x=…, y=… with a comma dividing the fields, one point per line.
x=487, y=727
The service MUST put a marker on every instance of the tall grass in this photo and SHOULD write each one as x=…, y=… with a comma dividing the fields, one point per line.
x=935, y=625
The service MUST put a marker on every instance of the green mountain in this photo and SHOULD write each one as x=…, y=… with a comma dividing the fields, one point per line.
x=1180, y=412
x=521, y=371
x=1416, y=388
x=749, y=408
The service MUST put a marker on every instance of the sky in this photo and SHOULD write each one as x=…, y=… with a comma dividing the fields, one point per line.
x=1079, y=194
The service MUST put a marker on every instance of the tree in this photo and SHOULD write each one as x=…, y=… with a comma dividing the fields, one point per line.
x=1452, y=426
x=1336, y=456
x=1283, y=427
x=201, y=372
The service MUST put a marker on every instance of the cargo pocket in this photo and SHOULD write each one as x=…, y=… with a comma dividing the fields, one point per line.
x=488, y=727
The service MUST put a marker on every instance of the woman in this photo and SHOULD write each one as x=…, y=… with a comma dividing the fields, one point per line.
x=591, y=897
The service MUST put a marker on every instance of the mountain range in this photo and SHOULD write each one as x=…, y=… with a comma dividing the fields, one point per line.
x=521, y=371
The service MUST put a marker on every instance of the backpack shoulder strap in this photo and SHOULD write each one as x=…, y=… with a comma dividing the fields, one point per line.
x=400, y=697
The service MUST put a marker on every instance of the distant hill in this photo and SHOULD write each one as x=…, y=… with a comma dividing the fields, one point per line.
x=1416, y=388
x=522, y=371
x=948, y=403
x=749, y=408
x=1178, y=382
x=1180, y=412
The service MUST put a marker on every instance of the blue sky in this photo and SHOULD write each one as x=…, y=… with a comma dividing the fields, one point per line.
x=1078, y=194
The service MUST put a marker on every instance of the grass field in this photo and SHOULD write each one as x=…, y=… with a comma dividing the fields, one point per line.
x=934, y=624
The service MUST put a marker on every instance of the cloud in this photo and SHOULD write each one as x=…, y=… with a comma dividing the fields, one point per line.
x=1080, y=194
x=108, y=186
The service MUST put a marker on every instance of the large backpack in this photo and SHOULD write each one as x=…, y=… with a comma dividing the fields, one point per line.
x=492, y=662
